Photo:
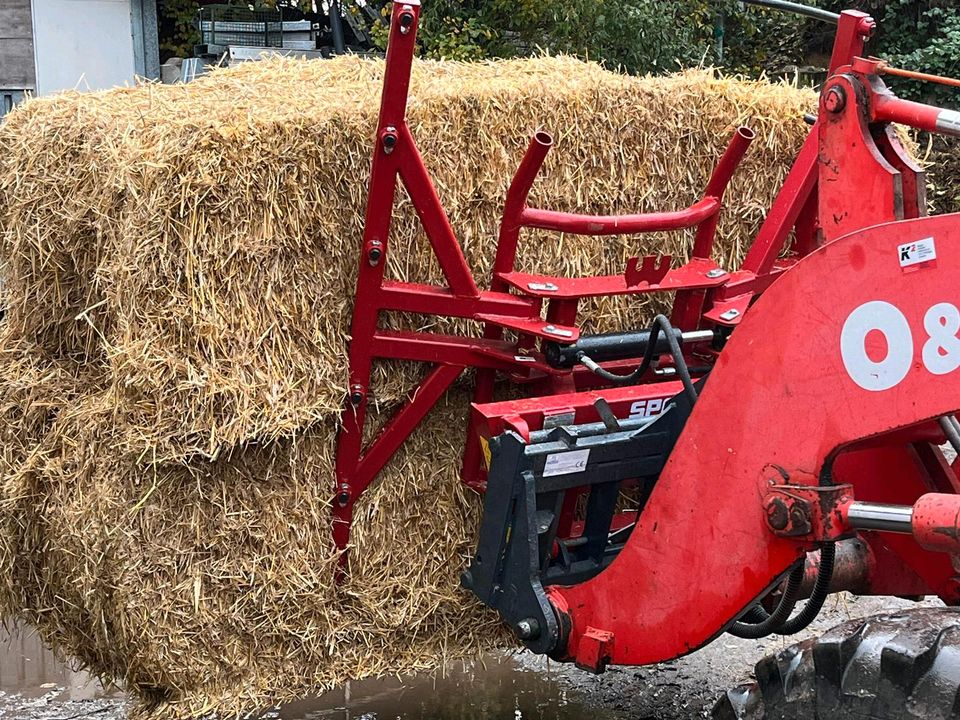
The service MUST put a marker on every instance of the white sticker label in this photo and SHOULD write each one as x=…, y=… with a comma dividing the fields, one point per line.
x=566, y=463
x=919, y=251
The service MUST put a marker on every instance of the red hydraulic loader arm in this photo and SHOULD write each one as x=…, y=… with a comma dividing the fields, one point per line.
x=788, y=411
x=830, y=390
x=846, y=346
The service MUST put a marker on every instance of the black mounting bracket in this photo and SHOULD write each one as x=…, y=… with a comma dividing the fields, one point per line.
x=519, y=552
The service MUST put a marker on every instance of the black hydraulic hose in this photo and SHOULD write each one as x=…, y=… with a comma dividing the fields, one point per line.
x=757, y=618
x=948, y=423
x=660, y=323
x=757, y=623
x=818, y=597
x=808, y=614
x=810, y=12
x=821, y=588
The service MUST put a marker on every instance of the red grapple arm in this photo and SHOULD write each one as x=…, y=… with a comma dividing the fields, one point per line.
x=857, y=340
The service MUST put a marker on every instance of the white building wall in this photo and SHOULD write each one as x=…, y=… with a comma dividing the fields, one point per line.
x=83, y=44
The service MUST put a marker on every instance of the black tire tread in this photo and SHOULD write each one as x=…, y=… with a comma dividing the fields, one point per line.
x=896, y=666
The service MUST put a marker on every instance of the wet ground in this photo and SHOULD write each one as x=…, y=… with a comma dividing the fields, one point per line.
x=688, y=687
x=34, y=686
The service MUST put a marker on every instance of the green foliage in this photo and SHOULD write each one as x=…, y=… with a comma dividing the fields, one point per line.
x=931, y=44
x=455, y=37
x=635, y=35
x=177, y=27
x=917, y=35
x=654, y=35
x=759, y=40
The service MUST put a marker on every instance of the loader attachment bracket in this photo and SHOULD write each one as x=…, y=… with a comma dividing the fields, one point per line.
x=520, y=551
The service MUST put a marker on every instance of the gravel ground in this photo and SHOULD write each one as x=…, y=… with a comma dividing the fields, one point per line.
x=688, y=687
x=527, y=687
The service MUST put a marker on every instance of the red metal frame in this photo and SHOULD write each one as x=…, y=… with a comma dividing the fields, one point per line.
x=702, y=550
x=778, y=397
x=510, y=304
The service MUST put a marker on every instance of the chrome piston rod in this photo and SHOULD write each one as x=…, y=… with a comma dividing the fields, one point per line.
x=933, y=520
x=877, y=516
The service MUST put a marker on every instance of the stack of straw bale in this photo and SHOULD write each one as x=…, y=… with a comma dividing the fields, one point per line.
x=179, y=263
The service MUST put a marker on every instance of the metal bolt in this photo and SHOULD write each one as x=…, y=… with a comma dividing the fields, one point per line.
x=553, y=330
x=389, y=140
x=375, y=254
x=777, y=515
x=528, y=629
x=835, y=99
x=800, y=518
x=716, y=272
x=356, y=395
x=731, y=314
x=343, y=497
x=406, y=20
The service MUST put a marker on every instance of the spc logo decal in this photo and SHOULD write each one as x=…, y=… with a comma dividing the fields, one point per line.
x=642, y=409
x=940, y=353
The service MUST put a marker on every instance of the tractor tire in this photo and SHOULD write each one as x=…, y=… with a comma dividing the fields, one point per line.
x=899, y=666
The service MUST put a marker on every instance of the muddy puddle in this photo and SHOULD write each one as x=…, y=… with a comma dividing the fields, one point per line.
x=497, y=689
x=34, y=685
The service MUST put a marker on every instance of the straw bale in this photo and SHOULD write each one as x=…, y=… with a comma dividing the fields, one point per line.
x=179, y=263
x=32, y=393
x=213, y=589
x=203, y=239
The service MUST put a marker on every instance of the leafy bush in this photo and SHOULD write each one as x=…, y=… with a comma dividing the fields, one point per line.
x=177, y=27
x=917, y=35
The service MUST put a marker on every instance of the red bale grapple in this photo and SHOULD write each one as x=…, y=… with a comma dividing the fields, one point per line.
x=780, y=431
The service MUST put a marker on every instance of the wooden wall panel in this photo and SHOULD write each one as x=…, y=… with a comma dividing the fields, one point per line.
x=16, y=45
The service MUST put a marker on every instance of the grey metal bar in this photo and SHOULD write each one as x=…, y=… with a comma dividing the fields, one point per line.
x=799, y=8
x=948, y=424
x=136, y=29
x=336, y=26
x=593, y=429
x=851, y=568
x=694, y=336
x=876, y=516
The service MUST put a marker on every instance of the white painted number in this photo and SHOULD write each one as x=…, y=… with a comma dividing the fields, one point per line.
x=890, y=322
x=940, y=354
